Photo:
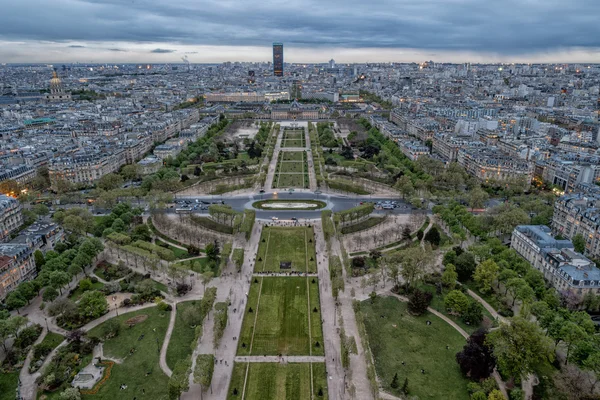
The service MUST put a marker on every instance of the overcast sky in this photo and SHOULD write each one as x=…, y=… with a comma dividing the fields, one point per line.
x=311, y=30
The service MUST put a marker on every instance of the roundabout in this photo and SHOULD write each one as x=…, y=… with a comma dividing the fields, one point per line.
x=277, y=205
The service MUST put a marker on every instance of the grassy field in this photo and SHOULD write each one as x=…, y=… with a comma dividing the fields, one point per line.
x=272, y=381
x=437, y=303
x=53, y=339
x=289, y=180
x=292, y=156
x=279, y=321
x=8, y=385
x=179, y=253
x=286, y=244
x=193, y=264
x=77, y=293
x=132, y=371
x=396, y=336
x=179, y=345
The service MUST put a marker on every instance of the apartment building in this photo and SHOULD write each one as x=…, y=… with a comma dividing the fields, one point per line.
x=579, y=213
x=11, y=217
x=489, y=164
x=561, y=265
x=16, y=265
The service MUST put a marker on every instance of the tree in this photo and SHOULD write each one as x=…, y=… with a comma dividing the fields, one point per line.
x=449, y=276
x=405, y=386
x=41, y=209
x=519, y=346
x=10, y=187
x=130, y=172
x=212, y=251
x=473, y=315
x=465, y=266
x=92, y=305
x=192, y=316
x=110, y=328
x=14, y=324
x=70, y=394
x=14, y=301
x=456, y=301
x=578, y=243
x=38, y=256
x=395, y=383
x=571, y=333
x=496, y=395
x=415, y=263
x=85, y=285
x=406, y=232
x=58, y=279
x=477, y=198
x=485, y=275
x=433, y=236
x=50, y=294
x=418, y=301
x=110, y=182
x=476, y=360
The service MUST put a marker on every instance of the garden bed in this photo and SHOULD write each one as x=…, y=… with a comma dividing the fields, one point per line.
x=277, y=205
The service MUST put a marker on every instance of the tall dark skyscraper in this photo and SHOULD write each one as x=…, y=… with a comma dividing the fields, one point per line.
x=278, y=59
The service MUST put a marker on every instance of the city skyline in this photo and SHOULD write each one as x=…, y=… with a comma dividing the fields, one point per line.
x=404, y=31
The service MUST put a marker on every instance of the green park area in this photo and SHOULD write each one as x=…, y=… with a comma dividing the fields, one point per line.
x=404, y=344
x=294, y=138
x=137, y=349
x=281, y=319
x=274, y=381
x=180, y=345
x=280, y=246
x=292, y=170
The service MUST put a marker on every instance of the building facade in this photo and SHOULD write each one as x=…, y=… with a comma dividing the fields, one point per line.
x=278, y=59
x=490, y=165
x=11, y=217
x=561, y=265
x=16, y=265
x=579, y=213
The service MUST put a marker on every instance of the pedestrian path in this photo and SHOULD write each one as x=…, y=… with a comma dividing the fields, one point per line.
x=282, y=359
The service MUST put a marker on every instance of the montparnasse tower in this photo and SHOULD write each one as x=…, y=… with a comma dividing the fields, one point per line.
x=57, y=92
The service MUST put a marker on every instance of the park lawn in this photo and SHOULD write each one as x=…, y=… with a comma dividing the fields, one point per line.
x=179, y=253
x=248, y=323
x=161, y=286
x=77, y=293
x=437, y=303
x=292, y=156
x=288, y=180
x=190, y=264
x=292, y=143
x=320, y=380
x=180, y=343
x=132, y=371
x=279, y=244
x=236, y=384
x=291, y=167
x=53, y=339
x=282, y=320
x=395, y=336
x=274, y=381
x=316, y=329
x=8, y=385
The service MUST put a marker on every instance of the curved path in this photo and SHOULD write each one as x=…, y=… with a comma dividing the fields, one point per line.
x=163, y=351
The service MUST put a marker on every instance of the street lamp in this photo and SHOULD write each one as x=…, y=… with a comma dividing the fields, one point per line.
x=46, y=319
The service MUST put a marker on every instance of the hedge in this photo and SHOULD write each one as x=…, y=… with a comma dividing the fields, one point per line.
x=238, y=258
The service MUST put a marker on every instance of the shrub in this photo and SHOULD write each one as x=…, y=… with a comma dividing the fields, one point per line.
x=418, y=301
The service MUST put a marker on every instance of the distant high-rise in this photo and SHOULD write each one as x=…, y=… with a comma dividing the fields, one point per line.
x=251, y=76
x=278, y=59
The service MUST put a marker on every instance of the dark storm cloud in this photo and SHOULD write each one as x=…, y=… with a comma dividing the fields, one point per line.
x=503, y=26
x=162, y=51
x=117, y=50
x=76, y=46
